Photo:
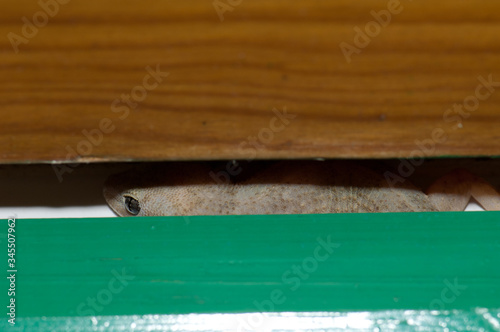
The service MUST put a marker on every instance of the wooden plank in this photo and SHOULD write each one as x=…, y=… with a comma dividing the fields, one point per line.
x=225, y=79
x=227, y=264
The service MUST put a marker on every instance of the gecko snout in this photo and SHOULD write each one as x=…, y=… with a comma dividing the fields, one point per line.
x=118, y=196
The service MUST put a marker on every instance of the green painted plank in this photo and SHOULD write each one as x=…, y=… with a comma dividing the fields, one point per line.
x=478, y=320
x=338, y=262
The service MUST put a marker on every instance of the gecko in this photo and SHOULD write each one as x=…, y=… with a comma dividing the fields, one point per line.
x=303, y=187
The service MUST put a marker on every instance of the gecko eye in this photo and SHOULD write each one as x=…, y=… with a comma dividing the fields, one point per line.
x=132, y=205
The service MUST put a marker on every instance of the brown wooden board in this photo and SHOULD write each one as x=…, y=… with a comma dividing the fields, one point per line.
x=226, y=78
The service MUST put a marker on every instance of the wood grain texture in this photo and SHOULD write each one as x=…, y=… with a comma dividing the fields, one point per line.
x=227, y=77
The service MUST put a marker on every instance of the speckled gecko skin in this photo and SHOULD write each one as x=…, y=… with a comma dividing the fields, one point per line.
x=284, y=188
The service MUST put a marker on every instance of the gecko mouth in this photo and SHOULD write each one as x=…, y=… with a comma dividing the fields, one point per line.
x=113, y=194
x=114, y=201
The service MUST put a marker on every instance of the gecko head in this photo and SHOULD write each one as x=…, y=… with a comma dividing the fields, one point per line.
x=140, y=191
x=126, y=193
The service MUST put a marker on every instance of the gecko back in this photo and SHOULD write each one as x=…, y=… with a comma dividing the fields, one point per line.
x=325, y=187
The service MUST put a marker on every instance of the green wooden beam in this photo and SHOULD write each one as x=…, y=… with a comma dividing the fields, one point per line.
x=478, y=320
x=231, y=264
